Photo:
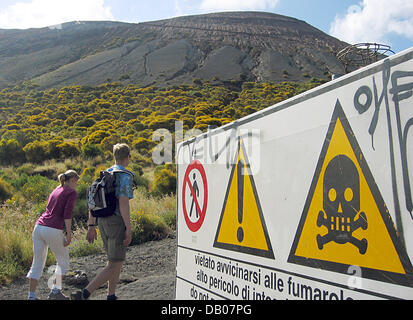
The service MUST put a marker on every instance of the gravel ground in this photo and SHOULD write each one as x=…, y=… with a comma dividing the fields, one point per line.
x=148, y=274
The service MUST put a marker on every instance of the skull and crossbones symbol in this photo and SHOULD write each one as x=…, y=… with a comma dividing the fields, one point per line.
x=341, y=204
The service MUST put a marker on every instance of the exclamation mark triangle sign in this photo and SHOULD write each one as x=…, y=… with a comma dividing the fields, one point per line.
x=242, y=226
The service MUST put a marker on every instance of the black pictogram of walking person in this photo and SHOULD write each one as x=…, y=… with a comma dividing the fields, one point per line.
x=196, y=193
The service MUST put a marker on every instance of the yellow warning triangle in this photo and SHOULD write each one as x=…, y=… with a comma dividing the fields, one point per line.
x=242, y=227
x=345, y=221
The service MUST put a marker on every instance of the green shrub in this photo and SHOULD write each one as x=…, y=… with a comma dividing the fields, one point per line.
x=96, y=137
x=80, y=247
x=11, y=152
x=6, y=190
x=142, y=182
x=136, y=169
x=87, y=122
x=80, y=211
x=143, y=202
x=170, y=219
x=26, y=168
x=37, y=189
x=147, y=227
x=87, y=175
x=36, y=151
x=90, y=151
x=165, y=182
x=53, y=152
x=68, y=149
x=143, y=143
x=20, y=181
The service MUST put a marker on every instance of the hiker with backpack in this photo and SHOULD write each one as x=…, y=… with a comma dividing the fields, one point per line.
x=48, y=233
x=108, y=203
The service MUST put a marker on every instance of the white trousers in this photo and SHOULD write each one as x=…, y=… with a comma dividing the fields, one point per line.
x=43, y=239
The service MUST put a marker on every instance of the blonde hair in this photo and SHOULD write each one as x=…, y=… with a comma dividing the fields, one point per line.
x=121, y=151
x=69, y=174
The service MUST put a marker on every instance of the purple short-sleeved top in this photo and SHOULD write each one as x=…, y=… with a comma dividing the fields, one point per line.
x=59, y=208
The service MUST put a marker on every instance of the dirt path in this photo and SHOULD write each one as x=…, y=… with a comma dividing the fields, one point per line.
x=148, y=274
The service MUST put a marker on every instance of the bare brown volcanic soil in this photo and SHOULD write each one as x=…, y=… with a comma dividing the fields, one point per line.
x=148, y=274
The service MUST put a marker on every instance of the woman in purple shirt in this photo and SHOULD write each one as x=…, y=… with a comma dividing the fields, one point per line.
x=48, y=232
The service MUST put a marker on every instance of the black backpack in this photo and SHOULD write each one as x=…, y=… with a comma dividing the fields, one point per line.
x=101, y=195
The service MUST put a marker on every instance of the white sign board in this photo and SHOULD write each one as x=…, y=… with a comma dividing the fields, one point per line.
x=308, y=199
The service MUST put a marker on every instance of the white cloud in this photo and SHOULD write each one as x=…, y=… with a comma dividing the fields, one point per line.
x=178, y=8
x=41, y=13
x=225, y=5
x=375, y=21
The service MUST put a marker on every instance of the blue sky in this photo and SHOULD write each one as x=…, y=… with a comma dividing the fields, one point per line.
x=353, y=21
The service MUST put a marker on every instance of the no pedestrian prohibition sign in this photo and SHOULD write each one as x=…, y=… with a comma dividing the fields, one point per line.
x=195, y=181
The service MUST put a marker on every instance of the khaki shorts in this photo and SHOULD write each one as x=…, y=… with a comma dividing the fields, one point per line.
x=112, y=230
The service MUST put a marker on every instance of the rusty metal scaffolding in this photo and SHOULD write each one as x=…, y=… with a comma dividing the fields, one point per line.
x=362, y=54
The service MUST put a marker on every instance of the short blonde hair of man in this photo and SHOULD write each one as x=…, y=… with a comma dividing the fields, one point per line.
x=121, y=151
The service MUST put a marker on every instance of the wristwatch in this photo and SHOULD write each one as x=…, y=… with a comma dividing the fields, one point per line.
x=91, y=225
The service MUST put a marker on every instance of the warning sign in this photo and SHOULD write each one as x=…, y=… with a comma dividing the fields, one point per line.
x=195, y=195
x=307, y=199
x=242, y=227
x=345, y=221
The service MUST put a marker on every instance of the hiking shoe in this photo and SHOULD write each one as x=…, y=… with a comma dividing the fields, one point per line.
x=78, y=295
x=57, y=296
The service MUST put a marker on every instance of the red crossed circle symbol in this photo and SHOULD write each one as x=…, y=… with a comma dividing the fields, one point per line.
x=195, y=226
